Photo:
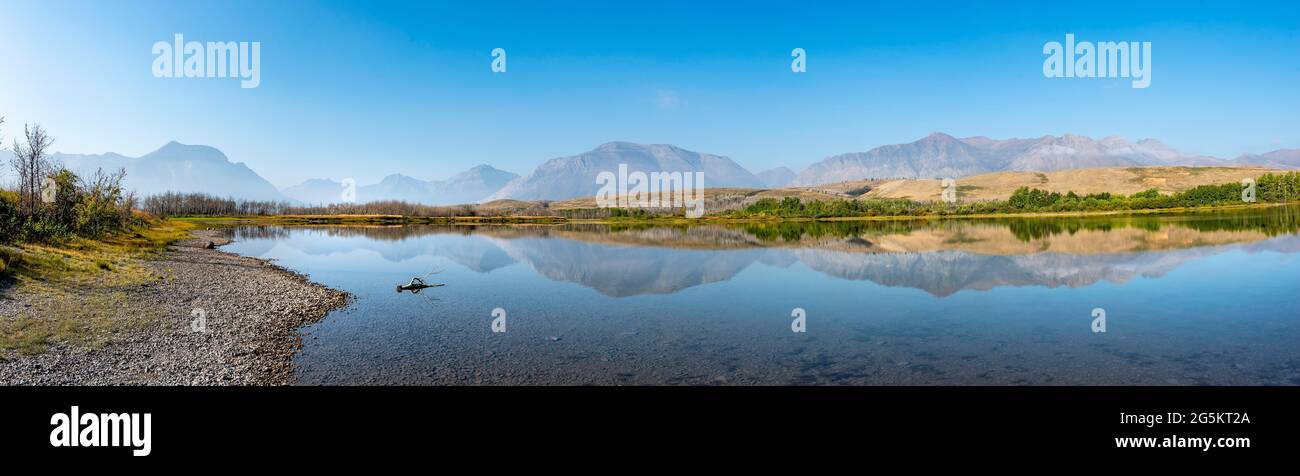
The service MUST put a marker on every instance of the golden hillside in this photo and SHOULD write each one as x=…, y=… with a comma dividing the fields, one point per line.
x=991, y=186
x=1000, y=185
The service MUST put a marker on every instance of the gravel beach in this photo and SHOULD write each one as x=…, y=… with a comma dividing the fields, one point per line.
x=253, y=311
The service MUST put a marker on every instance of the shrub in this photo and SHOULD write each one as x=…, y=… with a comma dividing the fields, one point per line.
x=1148, y=193
x=1278, y=188
x=42, y=230
x=9, y=220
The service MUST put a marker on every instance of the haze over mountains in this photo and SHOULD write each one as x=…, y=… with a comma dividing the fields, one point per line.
x=203, y=169
x=575, y=176
x=776, y=178
x=469, y=186
x=940, y=155
x=175, y=167
x=1281, y=159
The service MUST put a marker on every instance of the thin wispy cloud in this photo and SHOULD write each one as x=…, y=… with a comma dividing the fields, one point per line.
x=668, y=99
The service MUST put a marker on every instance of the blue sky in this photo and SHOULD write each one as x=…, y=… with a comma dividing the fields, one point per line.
x=364, y=89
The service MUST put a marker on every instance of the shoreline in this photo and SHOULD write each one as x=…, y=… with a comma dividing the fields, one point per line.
x=395, y=220
x=253, y=312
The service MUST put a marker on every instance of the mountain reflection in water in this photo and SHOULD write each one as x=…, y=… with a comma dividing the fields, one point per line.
x=939, y=257
x=1198, y=298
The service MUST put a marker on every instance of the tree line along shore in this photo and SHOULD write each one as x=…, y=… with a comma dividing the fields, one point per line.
x=739, y=205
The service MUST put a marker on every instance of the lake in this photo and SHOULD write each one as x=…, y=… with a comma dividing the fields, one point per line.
x=1194, y=299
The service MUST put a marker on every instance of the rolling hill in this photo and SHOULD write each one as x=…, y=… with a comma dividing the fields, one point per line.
x=1000, y=185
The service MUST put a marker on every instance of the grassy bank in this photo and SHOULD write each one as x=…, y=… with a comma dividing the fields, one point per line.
x=74, y=287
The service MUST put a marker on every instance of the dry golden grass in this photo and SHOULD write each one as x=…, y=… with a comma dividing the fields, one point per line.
x=75, y=288
x=505, y=206
x=1121, y=180
x=82, y=318
x=992, y=186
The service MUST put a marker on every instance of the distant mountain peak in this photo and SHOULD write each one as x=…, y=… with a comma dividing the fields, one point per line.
x=1281, y=158
x=480, y=170
x=941, y=155
x=469, y=186
x=320, y=180
x=177, y=167
x=654, y=149
x=614, y=145
x=177, y=151
x=575, y=176
x=396, y=177
x=174, y=146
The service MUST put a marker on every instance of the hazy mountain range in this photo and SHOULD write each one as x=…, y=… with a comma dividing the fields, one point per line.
x=1282, y=159
x=470, y=186
x=196, y=168
x=940, y=155
x=174, y=167
x=575, y=176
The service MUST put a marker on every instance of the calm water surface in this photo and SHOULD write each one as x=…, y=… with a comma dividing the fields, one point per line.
x=1189, y=300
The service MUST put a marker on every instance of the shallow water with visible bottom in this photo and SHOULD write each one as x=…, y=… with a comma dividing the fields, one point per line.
x=1196, y=299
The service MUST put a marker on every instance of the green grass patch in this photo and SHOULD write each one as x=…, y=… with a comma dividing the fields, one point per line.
x=75, y=287
x=89, y=320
